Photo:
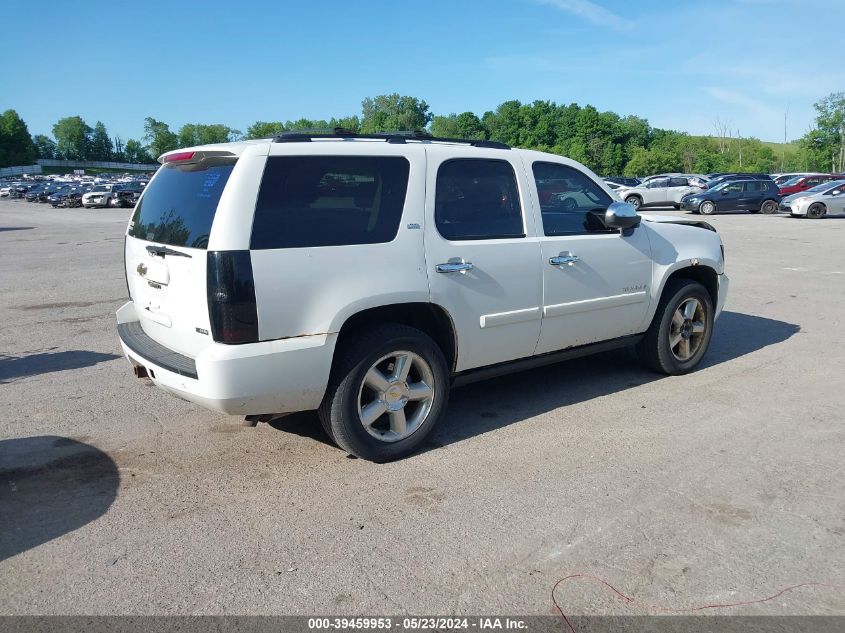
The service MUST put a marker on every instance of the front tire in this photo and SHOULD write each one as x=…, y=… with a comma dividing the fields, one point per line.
x=387, y=391
x=634, y=201
x=681, y=330
x=707, y=208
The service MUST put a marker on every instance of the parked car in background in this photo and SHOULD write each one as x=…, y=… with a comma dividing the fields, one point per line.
x=124, y=198
x=782, y=178
x=827, y=198
x=736, y=176
x=99, y=196
x=623, y=180
x=661, y=191
x=735, y=195
x=803, y=183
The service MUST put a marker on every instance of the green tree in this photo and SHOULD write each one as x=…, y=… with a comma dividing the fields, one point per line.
x=73, y=138
x=159, y=137
x=393, y=112
x=135, y=152
x=265, y=129
x=100, y=147
x=16, y=146
x=44, y=146
x=465, y=125
x=192, y=134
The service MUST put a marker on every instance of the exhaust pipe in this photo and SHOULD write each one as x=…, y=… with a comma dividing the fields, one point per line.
x=253, y=420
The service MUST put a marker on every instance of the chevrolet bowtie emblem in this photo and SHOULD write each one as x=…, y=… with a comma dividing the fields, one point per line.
x=142, y=270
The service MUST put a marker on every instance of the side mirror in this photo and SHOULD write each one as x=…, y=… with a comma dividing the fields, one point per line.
x=621, y=215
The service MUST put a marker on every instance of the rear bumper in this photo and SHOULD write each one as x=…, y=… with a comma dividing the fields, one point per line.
x=270, y=377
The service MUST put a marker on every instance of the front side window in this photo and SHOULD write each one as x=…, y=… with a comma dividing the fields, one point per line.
x=734, y=187
x=477, y=199
x=658, y=183
x=307, y=201
x=678, y=182
x=571, y=203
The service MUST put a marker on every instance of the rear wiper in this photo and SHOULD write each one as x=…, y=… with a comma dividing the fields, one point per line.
x=161, y=251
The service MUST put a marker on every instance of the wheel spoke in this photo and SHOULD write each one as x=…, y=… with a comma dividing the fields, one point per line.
x=689, y=309
x=683, y=350
x=674, y=339
x=677, y=319
x=419, y=391
x=372, y=412
x=697, y=327
x=401, y=367
x=376, y=380
x=398, y=423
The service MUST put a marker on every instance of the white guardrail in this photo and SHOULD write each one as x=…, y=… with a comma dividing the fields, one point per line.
x=19, y=171
x=95, y=164
x=73, y=164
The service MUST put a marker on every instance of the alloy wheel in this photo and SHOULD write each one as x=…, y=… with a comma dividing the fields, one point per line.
x=688, y=328
x=396, y=396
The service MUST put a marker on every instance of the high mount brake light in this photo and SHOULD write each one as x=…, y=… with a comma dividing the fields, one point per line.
x=179, y=156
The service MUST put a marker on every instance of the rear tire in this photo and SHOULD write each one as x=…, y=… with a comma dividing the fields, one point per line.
x=681, y=330
x=817, y=210
x=388, y=388
x=769, y=206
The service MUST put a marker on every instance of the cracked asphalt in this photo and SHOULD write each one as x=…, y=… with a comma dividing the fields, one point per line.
x=723, y=485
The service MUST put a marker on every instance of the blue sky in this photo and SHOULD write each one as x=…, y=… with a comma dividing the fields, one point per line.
x=679, y=63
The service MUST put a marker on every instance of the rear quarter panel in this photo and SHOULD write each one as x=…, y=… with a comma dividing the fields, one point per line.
x=314, y=290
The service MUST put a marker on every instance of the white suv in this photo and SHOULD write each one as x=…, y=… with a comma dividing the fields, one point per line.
x=661, y=191
x=364, y=276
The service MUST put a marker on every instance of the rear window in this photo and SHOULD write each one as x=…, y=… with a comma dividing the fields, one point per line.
x=178, y=206
x=329, y=201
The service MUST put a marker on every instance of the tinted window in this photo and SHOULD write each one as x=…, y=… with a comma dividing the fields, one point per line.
x=678, y=182
x=178, y=206
x=571, y=203
x=329, y=201
x=755, y=186
x=477, y=199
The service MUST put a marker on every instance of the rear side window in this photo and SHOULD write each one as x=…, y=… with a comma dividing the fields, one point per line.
x=477, y=199
x=755, y=185
x=178, y=207
x=329, y=201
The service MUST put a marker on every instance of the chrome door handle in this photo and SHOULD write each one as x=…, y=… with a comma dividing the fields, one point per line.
x=453, y=267
x=564, y=259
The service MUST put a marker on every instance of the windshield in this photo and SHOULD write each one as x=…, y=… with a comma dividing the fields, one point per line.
x=178, y=206
x=791, y=181
x=825, y=187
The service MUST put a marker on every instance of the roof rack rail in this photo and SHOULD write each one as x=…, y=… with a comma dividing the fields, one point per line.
x=399, y=137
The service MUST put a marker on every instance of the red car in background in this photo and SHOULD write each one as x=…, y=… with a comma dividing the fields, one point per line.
x=802, y=183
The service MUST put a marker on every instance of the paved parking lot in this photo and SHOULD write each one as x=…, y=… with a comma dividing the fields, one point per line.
x=723, y=485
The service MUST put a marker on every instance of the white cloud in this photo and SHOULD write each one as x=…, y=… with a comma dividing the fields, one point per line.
x=591, y=12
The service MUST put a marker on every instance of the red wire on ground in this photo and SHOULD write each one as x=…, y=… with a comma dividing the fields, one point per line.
x=654, y=607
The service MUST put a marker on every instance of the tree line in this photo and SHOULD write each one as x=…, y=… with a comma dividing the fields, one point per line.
x=604, y=141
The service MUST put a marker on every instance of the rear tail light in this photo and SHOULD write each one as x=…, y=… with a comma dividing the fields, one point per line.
x=231, y=297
